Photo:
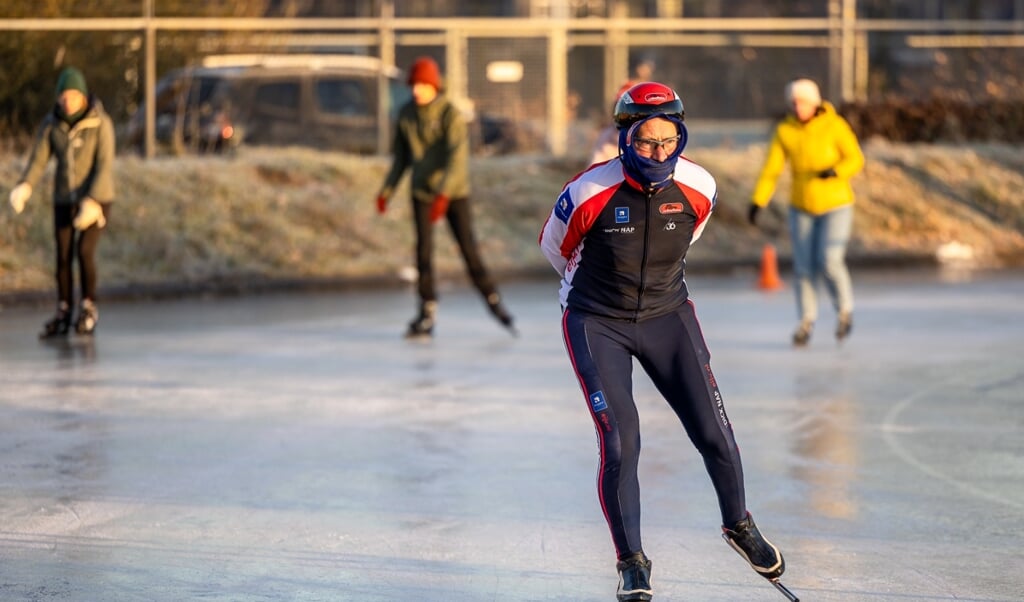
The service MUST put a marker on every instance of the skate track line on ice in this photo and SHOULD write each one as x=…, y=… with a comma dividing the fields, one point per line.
x=890, y=430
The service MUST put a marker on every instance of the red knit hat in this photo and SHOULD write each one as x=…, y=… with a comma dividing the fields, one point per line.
x=425, y=71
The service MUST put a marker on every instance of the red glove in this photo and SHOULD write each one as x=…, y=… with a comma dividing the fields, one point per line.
x=439, y=208
x=382, y=204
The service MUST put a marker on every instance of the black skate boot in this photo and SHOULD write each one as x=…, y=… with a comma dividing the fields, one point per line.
x=844, y=325
x=423, y=325
x=58, y=325
x=88, y=317
x=634, y=578
x=500, y=313
x=762, y=555
x=802, y=335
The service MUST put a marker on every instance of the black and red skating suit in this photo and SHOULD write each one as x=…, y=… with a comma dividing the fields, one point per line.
x=621, y=250
x=621, y=253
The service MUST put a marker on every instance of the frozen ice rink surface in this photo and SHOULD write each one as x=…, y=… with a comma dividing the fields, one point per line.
x=294, y=447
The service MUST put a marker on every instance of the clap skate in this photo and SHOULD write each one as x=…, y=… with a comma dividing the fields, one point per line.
x=634, y=579
x=761, y=554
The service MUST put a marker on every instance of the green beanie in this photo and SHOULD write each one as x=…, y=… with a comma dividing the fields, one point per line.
x=71, y=79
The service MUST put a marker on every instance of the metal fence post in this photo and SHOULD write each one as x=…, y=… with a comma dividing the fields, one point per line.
x=386, y=51
x=616, y=52
x=848, y=57
x=455, y=61
x=150, y=81
x=558, y=89
x=835, y=50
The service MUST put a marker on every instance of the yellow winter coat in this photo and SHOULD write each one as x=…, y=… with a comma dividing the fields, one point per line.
x=826, y=141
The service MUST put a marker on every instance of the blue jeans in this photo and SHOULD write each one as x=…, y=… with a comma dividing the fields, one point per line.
x=819, y=252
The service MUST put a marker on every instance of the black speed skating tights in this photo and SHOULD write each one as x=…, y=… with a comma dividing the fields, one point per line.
x=672, y=351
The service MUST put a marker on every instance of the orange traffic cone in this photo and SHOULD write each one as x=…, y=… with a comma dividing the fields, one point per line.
x=769, y=280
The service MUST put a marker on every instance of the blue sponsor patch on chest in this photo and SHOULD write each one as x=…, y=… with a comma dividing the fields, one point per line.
x=564, y=207
x=597, y=401
x=622, y=215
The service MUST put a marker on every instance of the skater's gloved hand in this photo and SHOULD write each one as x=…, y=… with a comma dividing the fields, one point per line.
x=827, y=173
x=382, y=204
x=89, y=212
x=19, y=196
x=439, y=208
x=752, y=213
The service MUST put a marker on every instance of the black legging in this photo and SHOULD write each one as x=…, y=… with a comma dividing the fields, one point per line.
x=67, y=237
x=671, y=350
x=461, y=223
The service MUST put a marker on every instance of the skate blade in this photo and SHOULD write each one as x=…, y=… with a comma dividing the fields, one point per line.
x=785, y=590
x=778, y=584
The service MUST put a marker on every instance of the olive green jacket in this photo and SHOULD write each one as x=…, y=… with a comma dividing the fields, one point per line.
x=84, y=152
x=434, y=141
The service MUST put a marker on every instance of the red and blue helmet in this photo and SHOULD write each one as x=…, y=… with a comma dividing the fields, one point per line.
x=644, y=100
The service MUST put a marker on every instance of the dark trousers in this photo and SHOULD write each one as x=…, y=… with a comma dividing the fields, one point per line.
x=461, y=223
x=671, y=350
x=70, y=243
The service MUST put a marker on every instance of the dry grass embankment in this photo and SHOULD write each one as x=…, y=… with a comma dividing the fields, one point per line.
x=271, y=216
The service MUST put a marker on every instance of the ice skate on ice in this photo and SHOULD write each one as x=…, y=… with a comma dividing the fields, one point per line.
x=844, y=326
x=761, y=554
x=634, y=578
x=802, y=335
x=500, y=313
x=58, y=325
x=422, y=325
x=88, y=317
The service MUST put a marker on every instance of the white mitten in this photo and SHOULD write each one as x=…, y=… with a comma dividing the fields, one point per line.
x=89, y=212
x=20, y=195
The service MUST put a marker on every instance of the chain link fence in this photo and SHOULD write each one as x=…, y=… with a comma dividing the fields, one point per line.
x=546, y=84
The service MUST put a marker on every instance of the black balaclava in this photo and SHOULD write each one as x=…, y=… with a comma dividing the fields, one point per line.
x=649, y=173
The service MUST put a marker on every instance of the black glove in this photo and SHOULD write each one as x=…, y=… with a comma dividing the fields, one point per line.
x=752, y=213
x=827, y=173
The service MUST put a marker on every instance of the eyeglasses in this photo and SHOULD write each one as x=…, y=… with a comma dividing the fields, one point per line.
x=649, y=145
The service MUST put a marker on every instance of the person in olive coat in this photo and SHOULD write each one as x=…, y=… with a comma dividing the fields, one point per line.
x=431, y=138
x=79, y=134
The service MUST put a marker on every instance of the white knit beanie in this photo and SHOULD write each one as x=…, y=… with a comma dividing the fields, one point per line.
x=804, y=89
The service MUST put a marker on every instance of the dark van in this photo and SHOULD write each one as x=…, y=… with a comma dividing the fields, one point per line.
x=322, y=101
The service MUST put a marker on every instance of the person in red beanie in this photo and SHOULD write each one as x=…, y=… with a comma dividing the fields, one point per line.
x=431, y=138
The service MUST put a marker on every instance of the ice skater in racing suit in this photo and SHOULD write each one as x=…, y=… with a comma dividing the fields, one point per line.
x=618, y=237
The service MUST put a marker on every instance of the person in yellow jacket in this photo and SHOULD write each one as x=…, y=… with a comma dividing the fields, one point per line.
x=823, y=155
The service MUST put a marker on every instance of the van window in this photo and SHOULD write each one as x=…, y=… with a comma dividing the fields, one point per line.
x=278, y=96
x=202, y=89
x=342, y=97
x=169, y=96
x=400, y=94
